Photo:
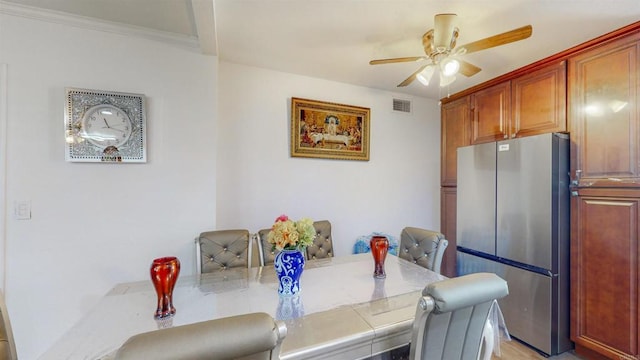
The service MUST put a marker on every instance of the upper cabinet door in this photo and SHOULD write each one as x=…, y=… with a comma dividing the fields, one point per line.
x=491, y=113
x=539, y=101
x=455, y=133
x=604, y=86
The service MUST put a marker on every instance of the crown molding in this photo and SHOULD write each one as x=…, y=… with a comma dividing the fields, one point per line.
x=89, y=23
x=203, y=12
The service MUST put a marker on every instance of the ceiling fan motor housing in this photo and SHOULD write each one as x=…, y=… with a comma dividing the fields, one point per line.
x=444, y=32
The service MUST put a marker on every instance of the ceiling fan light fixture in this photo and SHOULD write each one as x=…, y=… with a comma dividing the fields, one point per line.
x=446, y=80
x=449, y=67
x=425, y=75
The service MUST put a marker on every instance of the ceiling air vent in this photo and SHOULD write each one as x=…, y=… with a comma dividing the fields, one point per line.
x=402, y=105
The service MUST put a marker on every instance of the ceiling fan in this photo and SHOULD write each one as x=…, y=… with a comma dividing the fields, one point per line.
x=440, y=48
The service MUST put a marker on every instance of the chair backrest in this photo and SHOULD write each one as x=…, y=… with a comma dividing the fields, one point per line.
x=322, y=246
x=248, y=336
x=423, y=247
x=451, y=316
x=267, y=253
x=254, y=251
x=7, y=344
x=223, y=249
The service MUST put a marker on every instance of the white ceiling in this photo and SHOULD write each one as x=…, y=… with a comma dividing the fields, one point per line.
x=335, y=39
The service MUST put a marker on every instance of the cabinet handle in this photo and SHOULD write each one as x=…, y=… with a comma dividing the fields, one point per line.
x=513, y=136
x=574, y=193
x=506, y=136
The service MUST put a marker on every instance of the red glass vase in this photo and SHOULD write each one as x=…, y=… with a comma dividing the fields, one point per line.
x=379, y=248
x=164, y=273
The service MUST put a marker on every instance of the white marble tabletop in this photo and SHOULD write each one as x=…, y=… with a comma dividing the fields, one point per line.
x=342, y=309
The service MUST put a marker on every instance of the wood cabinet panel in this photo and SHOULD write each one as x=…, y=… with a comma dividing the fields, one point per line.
x=491, y=113
x=448, y=198
x=454, y=133
x=604, y=86
x=604, y=272
x=539, y=101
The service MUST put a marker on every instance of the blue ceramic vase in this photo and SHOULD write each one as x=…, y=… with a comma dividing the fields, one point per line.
x=289, y=265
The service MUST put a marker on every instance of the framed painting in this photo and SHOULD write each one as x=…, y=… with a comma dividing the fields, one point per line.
x=327, y=130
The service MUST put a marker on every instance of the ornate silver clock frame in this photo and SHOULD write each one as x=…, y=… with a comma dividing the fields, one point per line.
x=105, y=126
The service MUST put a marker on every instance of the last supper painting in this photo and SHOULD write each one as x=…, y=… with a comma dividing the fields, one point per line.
x=328, y=130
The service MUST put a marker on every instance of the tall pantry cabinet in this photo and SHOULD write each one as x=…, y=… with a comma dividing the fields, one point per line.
x=455, y=117
x=604, y=113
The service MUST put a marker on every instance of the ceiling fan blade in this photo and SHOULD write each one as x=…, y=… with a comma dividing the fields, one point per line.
x=468, y=69
x=500, y=39
x=443, y=29
x=396, y=60
x=412, y=77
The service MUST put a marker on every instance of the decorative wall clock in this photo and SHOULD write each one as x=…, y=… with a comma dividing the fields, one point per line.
x=105, y=126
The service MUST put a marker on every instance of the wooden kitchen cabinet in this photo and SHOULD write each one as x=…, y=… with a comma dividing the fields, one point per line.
x=604, y=95
x=539, y=101
x=604, y=276
x=531, y=104
x=490, y=110
x=455, y=124
x=448, y=198
x=455, y=117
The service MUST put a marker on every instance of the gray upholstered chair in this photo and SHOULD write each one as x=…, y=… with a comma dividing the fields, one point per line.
x=452, y=314
x=322, y=246
x=223, y=249
x=248, y=336
x=422, y=247
x=7, y=344
x=254, y=251
x=267, y=253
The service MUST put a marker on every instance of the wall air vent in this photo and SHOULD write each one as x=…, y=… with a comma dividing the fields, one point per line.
x=402, y=105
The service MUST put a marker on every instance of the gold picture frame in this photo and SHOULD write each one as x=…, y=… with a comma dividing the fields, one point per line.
x=327, y=130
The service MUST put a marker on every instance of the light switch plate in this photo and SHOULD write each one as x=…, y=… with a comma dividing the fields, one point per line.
x=22, y=210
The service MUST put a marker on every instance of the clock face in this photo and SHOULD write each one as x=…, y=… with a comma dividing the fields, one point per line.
x=106, y=125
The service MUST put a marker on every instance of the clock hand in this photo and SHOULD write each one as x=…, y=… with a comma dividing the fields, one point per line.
x=106, y=123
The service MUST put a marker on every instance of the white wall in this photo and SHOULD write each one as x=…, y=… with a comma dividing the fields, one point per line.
x=258, y=180
x=218, y=157
x=95, y=225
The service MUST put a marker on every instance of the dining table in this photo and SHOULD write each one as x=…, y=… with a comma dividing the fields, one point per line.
x=342, y=311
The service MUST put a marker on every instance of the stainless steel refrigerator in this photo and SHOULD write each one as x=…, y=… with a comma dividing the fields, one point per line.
x=513, y=220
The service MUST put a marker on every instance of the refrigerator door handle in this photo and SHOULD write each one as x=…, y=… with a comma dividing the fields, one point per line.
x=575, y=180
